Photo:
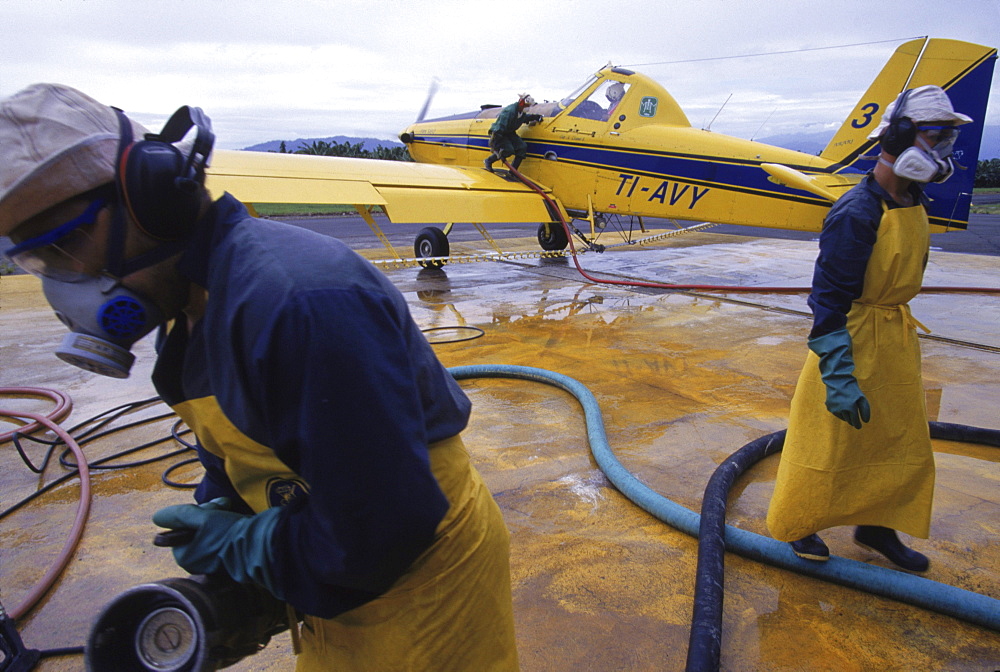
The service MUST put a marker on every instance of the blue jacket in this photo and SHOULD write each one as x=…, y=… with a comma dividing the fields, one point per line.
x=314, y=361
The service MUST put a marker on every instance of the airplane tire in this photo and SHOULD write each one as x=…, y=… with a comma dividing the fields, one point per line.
x=555, y=239
x=431, y=242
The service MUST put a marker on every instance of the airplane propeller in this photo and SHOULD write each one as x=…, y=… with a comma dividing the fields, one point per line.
x=430, y=96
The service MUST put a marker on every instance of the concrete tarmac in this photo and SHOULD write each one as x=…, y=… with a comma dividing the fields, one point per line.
x=683, y=379
x=982, y=236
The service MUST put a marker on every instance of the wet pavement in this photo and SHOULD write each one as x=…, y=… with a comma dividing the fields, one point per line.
x=683, y=380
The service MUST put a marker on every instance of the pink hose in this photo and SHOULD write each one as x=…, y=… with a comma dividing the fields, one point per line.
x=83, y=508
x=63, y=406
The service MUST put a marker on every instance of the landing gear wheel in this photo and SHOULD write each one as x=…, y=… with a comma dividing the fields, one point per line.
x=554, y=239
x=431, y=242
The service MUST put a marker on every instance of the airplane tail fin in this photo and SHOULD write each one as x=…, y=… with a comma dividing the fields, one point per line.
x=965, y=71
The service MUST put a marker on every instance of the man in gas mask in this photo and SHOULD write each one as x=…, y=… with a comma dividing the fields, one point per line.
x=335, y=474
x=866, y=459
x=504, y=140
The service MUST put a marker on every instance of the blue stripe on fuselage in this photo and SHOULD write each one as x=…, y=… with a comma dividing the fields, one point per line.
x=743, y=176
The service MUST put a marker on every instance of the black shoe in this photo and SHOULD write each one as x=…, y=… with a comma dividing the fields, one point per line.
x=884, y=540
x=488, y=165
x=811, y=548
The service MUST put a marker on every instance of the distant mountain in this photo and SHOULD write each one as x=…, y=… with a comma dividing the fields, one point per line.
x=814, y=143
x=292, y=145
x=807, y=143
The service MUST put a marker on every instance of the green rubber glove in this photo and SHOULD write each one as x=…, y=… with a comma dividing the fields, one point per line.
x=836, y=365
x=237, y=544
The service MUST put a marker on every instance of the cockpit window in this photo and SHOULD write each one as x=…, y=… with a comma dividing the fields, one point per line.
x=546, y=109
x=603, y=102
x=568, y=100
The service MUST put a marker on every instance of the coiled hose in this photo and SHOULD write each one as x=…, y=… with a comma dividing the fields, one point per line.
x=719, y=537
x=63, y=407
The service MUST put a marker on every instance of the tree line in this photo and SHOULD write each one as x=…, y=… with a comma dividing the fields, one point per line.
x=349, y=149
x=988, y=173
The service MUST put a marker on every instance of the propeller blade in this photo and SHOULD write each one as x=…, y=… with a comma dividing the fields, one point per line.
x=430, y=96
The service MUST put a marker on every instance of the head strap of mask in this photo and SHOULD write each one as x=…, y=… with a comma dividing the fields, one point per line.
x=901, y=132
x=158, y=187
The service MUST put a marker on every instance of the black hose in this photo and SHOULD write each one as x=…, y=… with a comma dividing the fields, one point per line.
x=705, y=641
x=947, y=431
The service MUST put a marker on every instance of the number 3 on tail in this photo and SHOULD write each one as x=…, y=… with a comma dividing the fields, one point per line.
x=868, y=111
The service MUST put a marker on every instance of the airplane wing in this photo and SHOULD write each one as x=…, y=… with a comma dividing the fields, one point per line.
x=409, y=192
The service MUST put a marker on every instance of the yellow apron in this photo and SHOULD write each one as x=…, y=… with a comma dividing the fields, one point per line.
x=883, y=474
x=451, y=611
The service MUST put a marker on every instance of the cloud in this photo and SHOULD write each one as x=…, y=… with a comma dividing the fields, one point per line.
x=265, y=68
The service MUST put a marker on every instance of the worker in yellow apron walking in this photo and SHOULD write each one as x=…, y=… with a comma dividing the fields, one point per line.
x=867, y=459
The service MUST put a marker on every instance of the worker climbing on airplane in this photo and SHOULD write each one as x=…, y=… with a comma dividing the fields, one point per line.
x=866, y=460
x=335, y=473
x=504, y=140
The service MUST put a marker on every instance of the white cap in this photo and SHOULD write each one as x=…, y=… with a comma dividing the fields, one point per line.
x=923, y=104
x=55, y=143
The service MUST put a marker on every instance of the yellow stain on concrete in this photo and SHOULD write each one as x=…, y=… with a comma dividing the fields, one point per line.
x=683, y=381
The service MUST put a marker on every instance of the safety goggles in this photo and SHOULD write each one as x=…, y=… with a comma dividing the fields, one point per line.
x=60, y=252
x=937, y=134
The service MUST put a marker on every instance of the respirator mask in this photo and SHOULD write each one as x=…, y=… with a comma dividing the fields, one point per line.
x=105, y=320
x=923, y=162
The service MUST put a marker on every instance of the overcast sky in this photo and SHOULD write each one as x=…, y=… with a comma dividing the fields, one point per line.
x=287, y=69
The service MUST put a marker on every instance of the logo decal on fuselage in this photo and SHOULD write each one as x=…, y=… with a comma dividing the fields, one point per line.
x=647, y=106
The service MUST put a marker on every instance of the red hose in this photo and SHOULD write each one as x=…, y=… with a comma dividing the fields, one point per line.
x=712, y=288
x=63, y=406
x=83, y=508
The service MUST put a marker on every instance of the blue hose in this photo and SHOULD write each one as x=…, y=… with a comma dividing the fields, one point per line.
x=926, y=593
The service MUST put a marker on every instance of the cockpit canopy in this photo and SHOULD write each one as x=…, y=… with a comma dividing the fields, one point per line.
x=602, y=101
x=600, y=98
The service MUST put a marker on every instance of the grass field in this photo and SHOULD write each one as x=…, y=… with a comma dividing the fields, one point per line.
x=301, y=210
x=986, y=208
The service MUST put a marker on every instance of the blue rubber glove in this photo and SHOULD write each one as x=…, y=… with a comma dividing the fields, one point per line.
x=836, y=365
x=235, y=543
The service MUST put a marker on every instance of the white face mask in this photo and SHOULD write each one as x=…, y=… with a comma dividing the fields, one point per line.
x=923, y=163
x=105, y=320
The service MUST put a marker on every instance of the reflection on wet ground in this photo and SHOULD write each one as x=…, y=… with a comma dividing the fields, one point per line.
x=683, y=380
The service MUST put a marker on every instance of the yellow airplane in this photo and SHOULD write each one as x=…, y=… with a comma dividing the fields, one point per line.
x=636, y=156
